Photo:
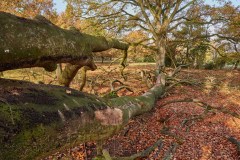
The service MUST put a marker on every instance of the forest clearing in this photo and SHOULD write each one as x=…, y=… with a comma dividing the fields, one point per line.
x=119, y=80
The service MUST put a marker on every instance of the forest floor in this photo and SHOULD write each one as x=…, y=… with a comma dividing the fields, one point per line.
x=193, y=120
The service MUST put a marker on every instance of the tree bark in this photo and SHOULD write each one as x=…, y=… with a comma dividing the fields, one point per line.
x=161, y=54
x=69, y=72
x=37, y=120
x=83, y=77
x=39, y=43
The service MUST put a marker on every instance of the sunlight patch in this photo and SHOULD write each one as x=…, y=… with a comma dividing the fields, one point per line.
x=209, y=84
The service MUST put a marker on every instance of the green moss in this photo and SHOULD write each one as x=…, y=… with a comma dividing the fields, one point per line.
x=38, y=127
x=30, y=143
x=9, y=112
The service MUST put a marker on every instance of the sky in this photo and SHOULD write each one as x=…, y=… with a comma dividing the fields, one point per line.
x=60, y=5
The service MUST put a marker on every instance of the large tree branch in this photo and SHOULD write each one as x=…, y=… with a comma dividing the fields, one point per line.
x=147, y=20
x=39, y=43
x=36, y=120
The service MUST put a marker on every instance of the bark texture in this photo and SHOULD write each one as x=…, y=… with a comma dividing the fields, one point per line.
x=39, y=43
x=36, y=120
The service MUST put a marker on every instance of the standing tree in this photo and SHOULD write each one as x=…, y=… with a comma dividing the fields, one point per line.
x=68, y=19
x=228, y=33
x=155, y=17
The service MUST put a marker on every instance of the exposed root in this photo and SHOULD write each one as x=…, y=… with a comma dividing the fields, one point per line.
x=204, y=105
x=179, y=81
x=166, y=131
x=236, y=142
x=113, y=93
x=169, y=154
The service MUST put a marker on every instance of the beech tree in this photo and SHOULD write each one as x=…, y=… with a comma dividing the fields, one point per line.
x=69, y=20
x=157, y=18
x=36, y=120
x=192, y=38
x=228, y=33
x=163, y=22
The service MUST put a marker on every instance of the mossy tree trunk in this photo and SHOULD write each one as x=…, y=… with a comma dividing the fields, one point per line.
x=36, y=120
x=39, y=43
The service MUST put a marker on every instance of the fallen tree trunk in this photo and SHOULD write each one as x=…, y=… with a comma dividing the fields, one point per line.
x=36, y=120
x=39, y=43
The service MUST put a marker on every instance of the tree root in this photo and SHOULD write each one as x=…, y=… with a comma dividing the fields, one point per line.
x=204, y=105
x=169, y=154
x=179, y=81
x=236, y=142
x=193, y=118
x=113, y=93
x=166, y=131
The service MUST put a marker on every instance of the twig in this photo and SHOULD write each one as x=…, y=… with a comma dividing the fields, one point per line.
x=113, y=93
x=236, y=142
x=166, y=131
x=169, y=153
x=114, y=61
x=112, y=83
x=180, y=81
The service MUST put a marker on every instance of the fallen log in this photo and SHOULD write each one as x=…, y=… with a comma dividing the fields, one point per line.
x=36, y=120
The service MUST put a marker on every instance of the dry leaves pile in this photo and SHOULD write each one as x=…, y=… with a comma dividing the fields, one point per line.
x=188, y=130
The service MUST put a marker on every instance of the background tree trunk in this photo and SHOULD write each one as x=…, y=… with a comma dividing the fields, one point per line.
x=160, y=55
